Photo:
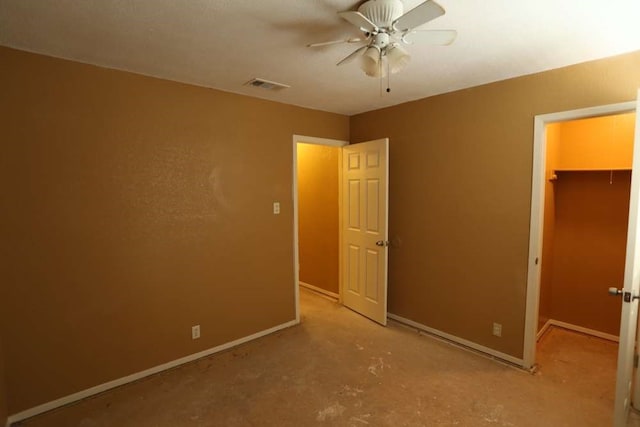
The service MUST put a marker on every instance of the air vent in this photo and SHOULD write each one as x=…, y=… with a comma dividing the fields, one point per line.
x=266, y=84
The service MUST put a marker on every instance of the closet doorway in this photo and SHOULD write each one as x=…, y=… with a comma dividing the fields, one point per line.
x=586, y=214
x=545, y=175
x=585, y=158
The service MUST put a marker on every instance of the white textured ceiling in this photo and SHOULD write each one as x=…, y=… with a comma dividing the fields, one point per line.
x=224, y=43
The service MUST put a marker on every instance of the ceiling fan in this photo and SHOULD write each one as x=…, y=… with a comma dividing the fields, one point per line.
x=385, y=27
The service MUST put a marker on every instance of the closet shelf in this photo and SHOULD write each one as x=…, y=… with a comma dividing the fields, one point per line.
x=554, y=175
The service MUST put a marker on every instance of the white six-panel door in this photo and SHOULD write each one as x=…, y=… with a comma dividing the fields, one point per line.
x=364, y=236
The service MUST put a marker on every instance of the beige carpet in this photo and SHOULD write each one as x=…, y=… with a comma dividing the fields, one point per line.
x=339, y=369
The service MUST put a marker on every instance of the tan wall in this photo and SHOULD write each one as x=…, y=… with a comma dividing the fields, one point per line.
x=460, y=193
x=584, y=246
x=139, y=207
x=595, y=143
x=589, y=248
x=318, y=215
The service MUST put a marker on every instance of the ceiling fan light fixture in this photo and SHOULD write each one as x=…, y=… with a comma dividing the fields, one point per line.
x=384, y=26
x=371, y=62
x=398, y=58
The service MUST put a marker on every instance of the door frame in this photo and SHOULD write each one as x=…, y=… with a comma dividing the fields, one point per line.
x=296, y=255
x=537, y=212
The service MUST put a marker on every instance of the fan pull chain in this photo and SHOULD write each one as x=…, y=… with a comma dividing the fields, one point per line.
x=388, y=77
x=380, y=72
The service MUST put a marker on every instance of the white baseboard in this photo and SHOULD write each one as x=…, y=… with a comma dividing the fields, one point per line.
x=460, y=342
x=320, y=290
x=45, y=407
x=593, y=332
x=544, y=329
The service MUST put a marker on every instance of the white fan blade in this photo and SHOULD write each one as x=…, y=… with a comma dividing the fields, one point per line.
x=351, y=40
x=421, y=14
x=359, y=20
x=434, y=37
x=352, y=56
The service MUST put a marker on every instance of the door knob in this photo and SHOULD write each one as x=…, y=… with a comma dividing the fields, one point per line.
x=382, y=243
x=615, y=291
x=626, y=296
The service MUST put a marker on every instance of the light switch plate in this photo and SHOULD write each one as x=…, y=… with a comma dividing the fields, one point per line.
x=276, y=208
x=497, y=329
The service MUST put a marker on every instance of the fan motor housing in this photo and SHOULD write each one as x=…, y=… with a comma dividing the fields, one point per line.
x=382, y=12
x=381, y=40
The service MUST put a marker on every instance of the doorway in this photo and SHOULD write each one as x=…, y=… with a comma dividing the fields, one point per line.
x=317, y=220
x=631, y=286
x=362, y=209
x=586, y=214
x=541, y=187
